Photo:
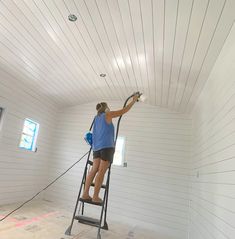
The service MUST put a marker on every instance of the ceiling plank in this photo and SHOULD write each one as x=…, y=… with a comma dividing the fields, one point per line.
x=206, y=37
x=183, y=23
x=196, y=23
x=223, y=29
x=159, y=28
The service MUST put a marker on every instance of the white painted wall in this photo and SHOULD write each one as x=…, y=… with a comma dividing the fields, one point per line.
x=154, y=189
x=23, y=173
x=213, y=155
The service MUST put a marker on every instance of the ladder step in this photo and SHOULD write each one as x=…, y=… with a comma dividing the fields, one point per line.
x=91, y=221
x=93, y=185
x=90, y=202
x=103, y=185
x=88, y=220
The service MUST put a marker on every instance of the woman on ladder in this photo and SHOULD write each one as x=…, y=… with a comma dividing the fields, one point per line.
x=103, y=146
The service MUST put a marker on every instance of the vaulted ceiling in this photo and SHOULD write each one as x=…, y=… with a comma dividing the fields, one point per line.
x=164, y=48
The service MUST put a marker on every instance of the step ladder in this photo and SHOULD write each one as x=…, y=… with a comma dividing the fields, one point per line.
x=78, y=215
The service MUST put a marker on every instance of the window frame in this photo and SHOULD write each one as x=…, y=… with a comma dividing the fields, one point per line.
x=33, y=147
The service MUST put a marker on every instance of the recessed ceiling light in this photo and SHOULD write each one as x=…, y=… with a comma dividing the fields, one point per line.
x=72, y=18
x=102, y=75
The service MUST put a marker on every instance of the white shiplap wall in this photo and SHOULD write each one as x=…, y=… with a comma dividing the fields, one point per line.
x=213, y=155
x=154, y=188
x=23, y=173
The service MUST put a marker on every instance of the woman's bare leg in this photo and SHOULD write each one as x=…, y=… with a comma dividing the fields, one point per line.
x=104, y=165
x=90, y=177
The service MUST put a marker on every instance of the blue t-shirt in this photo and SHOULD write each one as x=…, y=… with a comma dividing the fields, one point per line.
x=103, y=133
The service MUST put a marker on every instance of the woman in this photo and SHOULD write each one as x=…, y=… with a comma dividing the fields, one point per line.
x=103, y=146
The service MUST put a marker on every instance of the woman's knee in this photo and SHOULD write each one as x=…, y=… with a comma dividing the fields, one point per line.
x=94, y=170
x=104, y=165
x=96, y=165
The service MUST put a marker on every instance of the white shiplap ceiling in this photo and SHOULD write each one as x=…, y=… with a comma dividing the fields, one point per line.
x=164, y=48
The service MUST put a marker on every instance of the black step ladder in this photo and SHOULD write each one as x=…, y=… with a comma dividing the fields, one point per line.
x=102, y=222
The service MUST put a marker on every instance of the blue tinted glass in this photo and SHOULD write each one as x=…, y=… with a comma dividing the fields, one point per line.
x=29, y=135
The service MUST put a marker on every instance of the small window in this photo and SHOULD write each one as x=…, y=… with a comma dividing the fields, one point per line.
x=29, y=135
x=119, y=152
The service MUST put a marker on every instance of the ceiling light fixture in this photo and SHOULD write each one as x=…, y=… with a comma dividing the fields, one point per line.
x=102, y=75
x=72, y=18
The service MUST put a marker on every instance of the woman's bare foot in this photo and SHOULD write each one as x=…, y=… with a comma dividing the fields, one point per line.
x=86, y=197
x=97, y=200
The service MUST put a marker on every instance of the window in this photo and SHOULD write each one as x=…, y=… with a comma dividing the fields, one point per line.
x=119, y=152
x=29, y=135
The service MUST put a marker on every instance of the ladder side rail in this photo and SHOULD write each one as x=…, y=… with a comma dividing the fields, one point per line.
x=68, y=231
x=107, y=197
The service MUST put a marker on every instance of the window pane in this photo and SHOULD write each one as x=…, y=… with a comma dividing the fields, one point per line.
x=26, y=141
x=119, y=152
x=29, y=135
x=29, y=127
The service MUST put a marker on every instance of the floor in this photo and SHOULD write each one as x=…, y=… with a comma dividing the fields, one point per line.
x=43, y=220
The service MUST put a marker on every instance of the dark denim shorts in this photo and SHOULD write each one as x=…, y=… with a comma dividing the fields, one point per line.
x=105, y=154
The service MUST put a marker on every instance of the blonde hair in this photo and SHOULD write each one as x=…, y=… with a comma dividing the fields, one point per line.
x=101, y=107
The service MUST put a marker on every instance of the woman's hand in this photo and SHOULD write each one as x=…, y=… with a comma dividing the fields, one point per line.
x=135, y=97
x=118, y=113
